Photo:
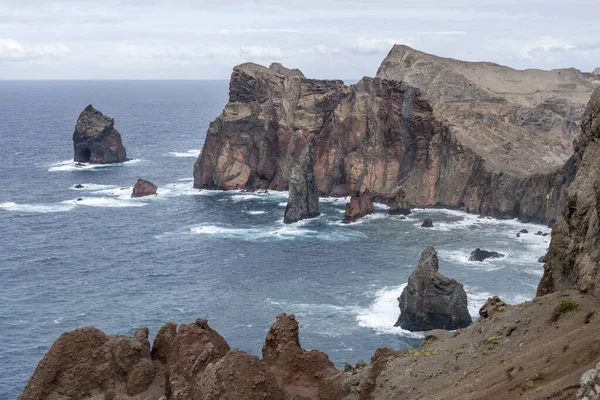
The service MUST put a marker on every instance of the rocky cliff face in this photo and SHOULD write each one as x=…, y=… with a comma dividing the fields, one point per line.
x=574, y=255
x=432, y=301
x=387, y=134
x=96, y=140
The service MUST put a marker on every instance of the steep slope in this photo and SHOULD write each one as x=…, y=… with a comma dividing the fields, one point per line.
x=380, y=134
x=574, y=255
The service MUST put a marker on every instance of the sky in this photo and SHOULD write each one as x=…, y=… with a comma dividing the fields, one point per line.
x=204, y=39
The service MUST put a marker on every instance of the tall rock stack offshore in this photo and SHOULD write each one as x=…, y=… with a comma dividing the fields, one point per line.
x=463, y=140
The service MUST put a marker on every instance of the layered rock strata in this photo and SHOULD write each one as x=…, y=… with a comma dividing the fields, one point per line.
x=444, y=142
x=96, y=140
x=574, y=255
x=432, y=301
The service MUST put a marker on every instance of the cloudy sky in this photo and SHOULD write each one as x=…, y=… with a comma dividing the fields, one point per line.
x=204, y=39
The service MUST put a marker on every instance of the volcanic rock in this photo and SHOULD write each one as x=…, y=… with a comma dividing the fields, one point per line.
x=143, y=188
x=302, y=374
x=414, y=127
x=360, y=205
x=432, y=301
x=236, y=376
x=491, y=306
x=427, y=223
x=574, y=255
x=400, y=208
x=86, y=360
x=303, y=201
x=95, y=139
x=590, y=384
x=523, y=231
x=78, y=186
x=480, y=255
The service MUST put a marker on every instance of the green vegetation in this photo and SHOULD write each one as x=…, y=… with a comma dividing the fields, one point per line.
x=563, y=306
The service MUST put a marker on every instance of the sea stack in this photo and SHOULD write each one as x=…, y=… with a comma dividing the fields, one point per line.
x=303, y=201
x=95, y=139
x=360, y=206
x=432, y=301
x=143, y=188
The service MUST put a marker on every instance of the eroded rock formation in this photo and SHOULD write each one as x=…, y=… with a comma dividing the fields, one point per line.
x=360, y=205
x=143, y=188
x=303, y=201
x=574, y=255
x=96, y=140
x=432, y=301
x=448, y=142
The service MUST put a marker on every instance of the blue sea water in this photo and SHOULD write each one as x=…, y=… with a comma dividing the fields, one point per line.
x=120, y=263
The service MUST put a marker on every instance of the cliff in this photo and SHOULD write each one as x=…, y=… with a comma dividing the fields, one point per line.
x=574, y=255
x=482, y=154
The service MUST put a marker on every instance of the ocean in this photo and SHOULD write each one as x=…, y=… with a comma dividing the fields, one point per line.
x=119, y=263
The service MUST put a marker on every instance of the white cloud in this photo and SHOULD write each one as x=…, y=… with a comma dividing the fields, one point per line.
x=261, y=52
x=545, y=45
x=374, y=46
x=443, y=33
x=252, y=30
x=14, y=51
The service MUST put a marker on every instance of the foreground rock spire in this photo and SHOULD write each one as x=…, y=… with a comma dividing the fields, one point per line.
x=95, y=139
x=432, y=301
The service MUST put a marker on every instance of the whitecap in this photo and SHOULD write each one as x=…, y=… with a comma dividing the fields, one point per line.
x=70, y=165
x=35, y=208
x=93, y=187
x=383, y=312
x=257, y=212
x=104, y=202
x=189, y=153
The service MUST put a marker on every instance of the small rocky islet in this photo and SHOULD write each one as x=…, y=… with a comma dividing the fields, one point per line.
x=541, y=349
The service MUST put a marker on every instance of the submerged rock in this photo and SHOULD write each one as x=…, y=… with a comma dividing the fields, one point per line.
x=523, y=231
x=480, y=255
x=360, y=206
x=95, y=139
x=143, y=188
x=432, y=301
x=303, y=201
x=428, y=223
x=78, y=186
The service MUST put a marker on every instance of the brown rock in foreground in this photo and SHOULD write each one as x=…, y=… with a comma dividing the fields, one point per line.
x=445, y=142
x=96, y=140
x=143, y=188
x=360, y=206
x=574, y=255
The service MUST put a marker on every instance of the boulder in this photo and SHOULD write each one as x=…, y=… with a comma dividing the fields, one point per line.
x=400, y=208
x=95, y=139
x=308, y=374
x=542, y=259
x=480, y=255
x=432, y=301
x=238, y=375
x=491, y=306
x=86, y=360
x=78, y=186
x=303, y=201
x=360, y=205
x=523, y=231
x=143, y=188
x=427, y=223
x=590, y=384
x=185, y=355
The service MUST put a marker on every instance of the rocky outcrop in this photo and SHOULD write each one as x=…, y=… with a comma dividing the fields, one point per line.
x=445, y=142
x=143, y=188
x=303, y=201
x=573, y=258
x=86, y=362
x=481, y=255
x=360, y=205
x=590, y=384
x=96, y=140
x=400, y=208
x=302, y=374
x=427, y=223
x=432, y=301
x=491, y=306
